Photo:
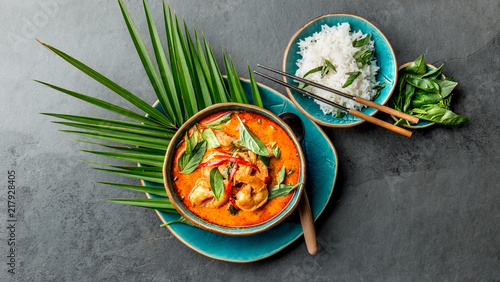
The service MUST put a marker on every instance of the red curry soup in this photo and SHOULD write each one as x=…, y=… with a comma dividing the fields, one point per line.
x=236, y=169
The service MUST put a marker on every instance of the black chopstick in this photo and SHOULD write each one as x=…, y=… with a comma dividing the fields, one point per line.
x=355, y=98
x=348, y=110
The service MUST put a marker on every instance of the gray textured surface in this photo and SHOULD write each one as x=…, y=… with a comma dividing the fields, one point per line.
x=419, y=209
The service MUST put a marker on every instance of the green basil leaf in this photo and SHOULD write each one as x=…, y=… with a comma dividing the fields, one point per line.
x=362, y=41
x=330, y=65
x=426, y=84
x=327, y=66
x=418, y=66
x=362, y=57
x=408, y=94
x=446, y=86
x=281, y=175
x=222, y=120
x=340, y=114
x=188, y=144
x=265, y=160
x=276, y=152
x=250, y=141
x=450, y=78
x=351, y=78
x=209, y=136
x=216, y=183
x=183, y=160
x=434, y=73
x=379, y=87
x=281, y=190
x=424, y=98
x=302, y=84
x=195, y=157
x=439, y=115
x=193, y=140
x=232, y=209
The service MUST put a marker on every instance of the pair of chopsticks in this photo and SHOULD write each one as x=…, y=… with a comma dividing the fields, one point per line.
x=348, y=110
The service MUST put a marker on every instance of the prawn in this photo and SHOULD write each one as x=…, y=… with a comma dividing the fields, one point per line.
x=202, y=196
x=253, y=194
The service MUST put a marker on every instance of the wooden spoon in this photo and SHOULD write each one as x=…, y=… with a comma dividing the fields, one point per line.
x=305, y=213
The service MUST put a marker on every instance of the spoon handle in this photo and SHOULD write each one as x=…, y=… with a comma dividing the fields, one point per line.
x=307, y=222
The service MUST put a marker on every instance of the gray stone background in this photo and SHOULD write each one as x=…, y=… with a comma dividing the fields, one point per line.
x=420, y=209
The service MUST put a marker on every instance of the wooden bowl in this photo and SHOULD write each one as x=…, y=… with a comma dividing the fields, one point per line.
x=201, y=223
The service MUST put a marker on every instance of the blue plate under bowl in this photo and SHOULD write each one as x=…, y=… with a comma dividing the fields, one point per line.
x=386, y=60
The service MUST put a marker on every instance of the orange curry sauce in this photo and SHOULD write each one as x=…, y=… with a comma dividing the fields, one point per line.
x=268, y=132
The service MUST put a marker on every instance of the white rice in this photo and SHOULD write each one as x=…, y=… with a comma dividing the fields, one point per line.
x=335, y=44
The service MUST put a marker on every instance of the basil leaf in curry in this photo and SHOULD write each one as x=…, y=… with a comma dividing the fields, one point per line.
x=281, y=190
x=188, y=144
x=281, y=175
x=216, y=183
x=276, y=152
x=265, y=160
x=222, y=120
x=194, y=159
x=209, y=136
x=249, y=140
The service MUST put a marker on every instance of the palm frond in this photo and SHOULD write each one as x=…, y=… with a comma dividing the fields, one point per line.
x=186, y=78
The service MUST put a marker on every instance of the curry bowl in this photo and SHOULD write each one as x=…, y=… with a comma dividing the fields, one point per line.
x=192, y=190
x=383, y=53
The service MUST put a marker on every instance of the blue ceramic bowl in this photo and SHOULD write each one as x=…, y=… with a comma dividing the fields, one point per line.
x=386, y=60
x=232, y=231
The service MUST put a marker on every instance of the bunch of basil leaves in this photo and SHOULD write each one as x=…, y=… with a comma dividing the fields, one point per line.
x=426, y=94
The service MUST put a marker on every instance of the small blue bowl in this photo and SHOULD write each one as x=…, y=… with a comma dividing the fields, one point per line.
x=386, y=60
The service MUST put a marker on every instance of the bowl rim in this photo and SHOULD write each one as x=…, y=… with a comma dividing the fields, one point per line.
x=414, y=126
x=244, y=231
x=294, y=36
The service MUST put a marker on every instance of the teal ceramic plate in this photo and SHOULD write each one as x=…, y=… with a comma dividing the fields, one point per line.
x=321, y=162
x=386, y=60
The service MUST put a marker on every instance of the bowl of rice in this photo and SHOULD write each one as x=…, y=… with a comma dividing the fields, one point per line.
x=345, y=52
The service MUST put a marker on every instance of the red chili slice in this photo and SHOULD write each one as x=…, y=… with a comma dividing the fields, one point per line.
x=223, y=159
x=230, y=185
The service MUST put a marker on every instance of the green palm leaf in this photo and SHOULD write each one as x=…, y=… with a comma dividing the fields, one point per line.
x=136, y=101
x=185, y=79
x=160, y=191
